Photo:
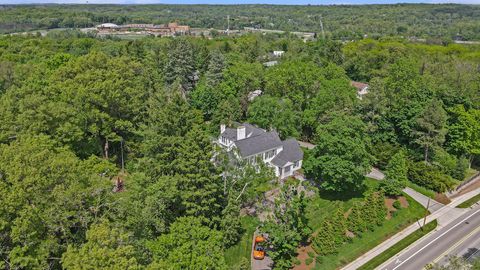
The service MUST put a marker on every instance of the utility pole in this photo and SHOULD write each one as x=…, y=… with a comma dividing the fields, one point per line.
x=121, y=150
x=321, y=27
x=426, y=213
x=228, y=25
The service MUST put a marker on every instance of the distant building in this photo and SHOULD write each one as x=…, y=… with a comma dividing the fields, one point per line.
x=169, y=29
x=278, y=53
x=362, y=88
x=254, y=144
x=252, y=95
x=106, y=26
x=270, y=63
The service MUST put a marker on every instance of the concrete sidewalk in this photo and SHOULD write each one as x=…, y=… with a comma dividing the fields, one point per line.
x=433, y=206
x=376, y=174
x=448, y=213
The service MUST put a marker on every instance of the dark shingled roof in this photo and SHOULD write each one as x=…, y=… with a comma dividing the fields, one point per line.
x=250, y=131
x=259, y=143
x=230, y=133
x=291, y=153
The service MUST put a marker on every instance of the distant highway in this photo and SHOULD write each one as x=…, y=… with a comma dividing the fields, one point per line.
x=460, y=237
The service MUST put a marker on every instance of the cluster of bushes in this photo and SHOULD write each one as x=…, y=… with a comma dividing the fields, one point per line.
x=364, y=216
x=430, y=176
x=439, y=175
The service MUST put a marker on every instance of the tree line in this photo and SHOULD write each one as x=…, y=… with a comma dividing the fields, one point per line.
x=76, y=109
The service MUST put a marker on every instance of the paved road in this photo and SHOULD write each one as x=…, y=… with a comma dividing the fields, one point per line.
x=468, y=249
x=441, y=242
x=445, y=216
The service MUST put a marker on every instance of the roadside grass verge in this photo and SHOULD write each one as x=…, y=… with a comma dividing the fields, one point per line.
x=425, y=191
x=360, y=245
x=405, y=242
x=235, y=254
x=469, y=202
x=323, y=204
x=470, y=173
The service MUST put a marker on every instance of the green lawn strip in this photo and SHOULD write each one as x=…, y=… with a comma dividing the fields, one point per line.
x=405, y=242
x=425, y=191
x=234, y=254
x=470, y=173
x=469, y=202
x=360, y=245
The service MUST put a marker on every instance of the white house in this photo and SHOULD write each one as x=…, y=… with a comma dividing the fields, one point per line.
x=255, y=143
x=362, y=88
x=278, y=53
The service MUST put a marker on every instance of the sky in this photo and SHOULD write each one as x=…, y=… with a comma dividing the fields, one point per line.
x=279, y=2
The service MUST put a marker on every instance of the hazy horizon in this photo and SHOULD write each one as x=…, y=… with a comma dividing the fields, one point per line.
x=236, y=2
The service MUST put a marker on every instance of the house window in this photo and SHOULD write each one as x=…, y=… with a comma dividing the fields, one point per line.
x=297, y=163
x=270, y=154
x=286, y=169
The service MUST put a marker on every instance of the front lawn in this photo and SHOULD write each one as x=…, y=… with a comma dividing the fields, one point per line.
x=235, y=254
x=324, y=204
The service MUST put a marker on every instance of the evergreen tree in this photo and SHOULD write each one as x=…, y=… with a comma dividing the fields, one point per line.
x=339, y=224
x=200, y=183
x=430, y=130
x=215, y=68
x=324, y=242
x=380, y=207
x=230, y=224
x=356, y=222
x=180, y=66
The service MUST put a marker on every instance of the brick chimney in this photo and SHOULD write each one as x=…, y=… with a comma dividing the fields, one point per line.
x=241, y=133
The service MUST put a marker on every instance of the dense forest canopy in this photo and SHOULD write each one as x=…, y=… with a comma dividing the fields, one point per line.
x=438, y=21
x=75, y=109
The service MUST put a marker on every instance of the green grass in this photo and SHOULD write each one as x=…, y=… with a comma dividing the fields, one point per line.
x=324, y=204
x=243, y=248
x=470, y=173
x=405, y=242
x=425, y=191
x=469, y=202
x=359, y=245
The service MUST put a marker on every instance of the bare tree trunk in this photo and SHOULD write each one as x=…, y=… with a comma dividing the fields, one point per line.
x=426, y=153
x=105, y=149
x=243, y=190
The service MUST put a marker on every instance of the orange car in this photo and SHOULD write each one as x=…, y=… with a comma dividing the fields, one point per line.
x=258, y=249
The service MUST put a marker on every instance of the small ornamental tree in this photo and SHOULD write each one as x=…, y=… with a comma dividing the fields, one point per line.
x=324, y=241
x=355, y=221
x=370, y=211
x=339, y=224
x=380, y=207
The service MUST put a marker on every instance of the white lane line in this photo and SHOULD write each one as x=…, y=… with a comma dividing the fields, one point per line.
x=461, y=241
x=424, y=247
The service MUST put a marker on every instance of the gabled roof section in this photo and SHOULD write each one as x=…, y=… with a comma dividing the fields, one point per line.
x=259, y=143
x=230, y=133
x=291, y=153
x=250, y=131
